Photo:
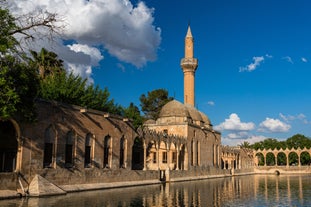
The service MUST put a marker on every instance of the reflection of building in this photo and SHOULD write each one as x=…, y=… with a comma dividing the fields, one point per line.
x=72, y=147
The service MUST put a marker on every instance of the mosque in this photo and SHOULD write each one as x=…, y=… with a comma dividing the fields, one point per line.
x=71, y=148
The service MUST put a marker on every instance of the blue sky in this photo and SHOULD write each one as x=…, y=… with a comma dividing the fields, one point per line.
x=254, y=58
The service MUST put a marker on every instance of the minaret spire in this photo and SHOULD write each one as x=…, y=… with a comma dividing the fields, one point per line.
x=189, y=65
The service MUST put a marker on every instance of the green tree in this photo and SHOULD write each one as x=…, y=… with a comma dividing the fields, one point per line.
x=152, y=103
x=46, y=62
x=74, y=90
x=298, y=140
x=18, y=82
x=133, y=113
x=245, y=144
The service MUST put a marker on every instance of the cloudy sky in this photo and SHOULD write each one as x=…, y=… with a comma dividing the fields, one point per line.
x=254, y=56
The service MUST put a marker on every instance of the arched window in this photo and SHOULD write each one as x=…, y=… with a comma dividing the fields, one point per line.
x=69, y=149
x=138, y=154
x=107, y=152
x=49, y=138
x=8, y=147
x=88, y=151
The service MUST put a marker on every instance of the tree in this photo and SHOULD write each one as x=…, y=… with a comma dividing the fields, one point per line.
x=46, y=62
x=245, y=144
x=18, y=82
x=133, y=113
x=74, y=90
x=152, y=103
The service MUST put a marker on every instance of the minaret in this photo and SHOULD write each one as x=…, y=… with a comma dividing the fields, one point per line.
x=189, y=66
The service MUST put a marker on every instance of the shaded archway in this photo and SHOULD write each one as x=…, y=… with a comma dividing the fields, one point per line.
x=293, y=158
x=107, y=151
x=281, y=159
x=181, y=158
x=305, y=158
x=173, y=160
x=138, y=154
x=49, y=144
x=8, y=146
x=69, y=149
x=270, y=159
x=88, y=151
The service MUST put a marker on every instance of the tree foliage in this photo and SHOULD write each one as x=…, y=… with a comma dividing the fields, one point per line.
x=133, y=113
x=47, y=63
x=152, y=103
x=73, y=89
x=18, y=81
x=294, y=142
x=24, y=79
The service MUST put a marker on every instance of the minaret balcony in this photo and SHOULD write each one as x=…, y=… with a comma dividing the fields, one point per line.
x=189, y=63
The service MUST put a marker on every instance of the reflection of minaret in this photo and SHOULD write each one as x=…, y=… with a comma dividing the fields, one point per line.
x=189, y=66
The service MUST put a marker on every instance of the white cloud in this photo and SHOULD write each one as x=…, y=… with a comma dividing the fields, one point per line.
x=211, y=103
x=93, y=52
x=289, y=118
x=288, y=59
x=269, y=56
x=303, y=59
x=273, y=125
x=124, y=30
x=231, y=140
x=256, y=62
x=234, y=124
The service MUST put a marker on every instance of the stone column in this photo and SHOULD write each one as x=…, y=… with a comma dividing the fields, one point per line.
x=145, y=156
x=169, y=156
x=177, y=158
x=276, y=159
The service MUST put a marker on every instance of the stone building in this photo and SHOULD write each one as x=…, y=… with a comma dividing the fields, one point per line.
x=202, y=142
x=80, y=149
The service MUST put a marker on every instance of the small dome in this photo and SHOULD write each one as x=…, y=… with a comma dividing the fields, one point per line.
x=194, y=113
x=206, y=120
x=174, y=108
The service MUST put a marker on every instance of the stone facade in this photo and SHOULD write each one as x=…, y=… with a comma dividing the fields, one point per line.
x=80, y=149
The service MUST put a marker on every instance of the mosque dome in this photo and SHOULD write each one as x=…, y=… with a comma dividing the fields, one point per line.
x=194, y=114
x=174, y=108
x=206, y=120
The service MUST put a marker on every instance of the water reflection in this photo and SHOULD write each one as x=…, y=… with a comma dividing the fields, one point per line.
x=236, y=191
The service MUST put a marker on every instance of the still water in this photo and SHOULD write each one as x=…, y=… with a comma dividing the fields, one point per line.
x=253, y=190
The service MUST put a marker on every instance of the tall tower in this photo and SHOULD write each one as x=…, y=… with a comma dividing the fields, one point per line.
x=189, y=65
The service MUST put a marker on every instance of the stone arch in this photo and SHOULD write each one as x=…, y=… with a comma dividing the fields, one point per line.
x=270, y=159
x=10, y=146
x=193, y=148
x=69, y=149
x=173, y=155
x=88, y=150
x=123, y=152
x=281, y=159
x=182, y=158
x=138, y=154
x=198, y=153
x=260, y=159
x=152, y=155
x=107, y=151
x=163, y=158
x=293, y=158
x=49, y=147
x=305, y=158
